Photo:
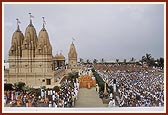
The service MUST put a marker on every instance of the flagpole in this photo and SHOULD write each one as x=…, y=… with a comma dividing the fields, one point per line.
x=30, y=18
x=43, y=22
x=17, y=20
x=73, y=39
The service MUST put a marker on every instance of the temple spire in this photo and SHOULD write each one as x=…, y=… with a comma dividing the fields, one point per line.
x=18, y=22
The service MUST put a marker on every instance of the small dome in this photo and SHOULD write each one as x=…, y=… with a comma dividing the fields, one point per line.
x=72, y=51
x=59, y=57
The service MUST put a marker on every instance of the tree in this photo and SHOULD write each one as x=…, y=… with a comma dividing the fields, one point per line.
x=72, y=76
x=81, y=60
x=43, y=87
x=25, y=88
x=8, y=86
x=161, y=62
x=117, y=60
x=95, y=61
x=148, y=59
x=102, y=60
x=101, y=86
x=37, y=92
x=19, y=85
x=132, y=59
x=88, y=61
x=56, y=88
x=125, y=61
x=151, y=62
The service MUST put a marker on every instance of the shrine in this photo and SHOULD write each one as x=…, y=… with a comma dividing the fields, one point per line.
x=86, y=81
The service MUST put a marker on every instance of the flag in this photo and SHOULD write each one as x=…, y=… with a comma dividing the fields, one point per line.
x=18, y=22
x=73, y=39
x=31, y=16
x=44, y=21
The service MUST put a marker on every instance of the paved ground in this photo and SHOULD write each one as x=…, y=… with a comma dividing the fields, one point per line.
x=89, y=98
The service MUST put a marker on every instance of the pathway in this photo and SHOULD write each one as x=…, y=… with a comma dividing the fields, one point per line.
x=89, y=98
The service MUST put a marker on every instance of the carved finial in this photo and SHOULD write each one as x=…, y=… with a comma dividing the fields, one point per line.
x=18, y=22
x=44, y=22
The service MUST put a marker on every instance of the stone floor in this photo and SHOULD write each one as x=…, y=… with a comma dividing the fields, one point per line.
x=89, y=98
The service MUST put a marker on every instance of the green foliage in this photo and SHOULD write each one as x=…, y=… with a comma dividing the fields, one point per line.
x=37, y=92
x=110, y=88
x=72, y=76
x=88, y=61
x=25, y=87
x=81, y=60
x=99, y=80
x=117, y=60
x=102, y=60
x=95, y=61
x=31, y=91
x=152, y=62
x=19, y=86
x=93, y=70
x=160, y=62
x=43, y=87
x=125, y=61
x=56, y=88
x=101, y=86
x=8, y=86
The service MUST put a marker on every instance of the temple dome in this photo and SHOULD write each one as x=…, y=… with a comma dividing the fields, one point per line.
x=30, y=40
x=43, y=43
x=17, y=40
x=43, y=38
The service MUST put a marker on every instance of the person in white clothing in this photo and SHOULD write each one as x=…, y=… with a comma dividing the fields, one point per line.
x=54, y=104
x=50, y=104
x=113, y=101
x=77, y=85
x=53, y=97
x=111, y=95
x=110, y=103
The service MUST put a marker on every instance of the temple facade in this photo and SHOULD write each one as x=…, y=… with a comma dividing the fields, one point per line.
x=31, y=60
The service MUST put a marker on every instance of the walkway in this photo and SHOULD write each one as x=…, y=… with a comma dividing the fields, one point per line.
x=89, y=98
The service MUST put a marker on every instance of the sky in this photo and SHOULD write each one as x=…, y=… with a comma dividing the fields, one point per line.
x=108, y=31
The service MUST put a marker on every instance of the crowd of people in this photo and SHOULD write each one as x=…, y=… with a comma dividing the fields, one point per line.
x=15, y=98
x=65, y=97
x=136, y=86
